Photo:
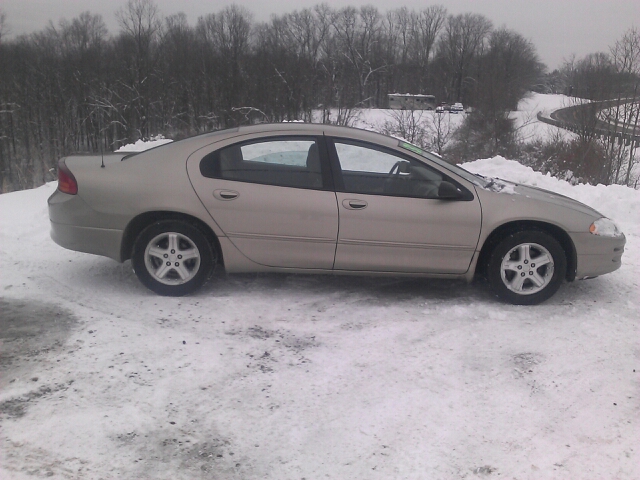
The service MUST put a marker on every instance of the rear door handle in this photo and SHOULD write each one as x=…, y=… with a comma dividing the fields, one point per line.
x=354, y=204
x=226, y=194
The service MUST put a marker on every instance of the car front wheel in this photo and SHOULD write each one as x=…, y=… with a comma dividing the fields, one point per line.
x=173, y=258
x=527, y=268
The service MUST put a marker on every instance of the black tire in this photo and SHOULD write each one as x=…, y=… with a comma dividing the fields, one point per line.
x=173, y=258
x=514, y=275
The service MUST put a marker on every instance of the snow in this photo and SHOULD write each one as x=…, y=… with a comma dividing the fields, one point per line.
x=141, y=145
x=606, y=228
x=619, y=203
x=497, y=185
x=527, y=124
x=376, y=118
x=292, y=376
x=412, y=95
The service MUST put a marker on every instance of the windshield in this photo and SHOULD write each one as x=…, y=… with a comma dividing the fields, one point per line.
x=438, y=160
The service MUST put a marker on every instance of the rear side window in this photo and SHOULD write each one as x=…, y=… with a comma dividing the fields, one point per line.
x=284, y=162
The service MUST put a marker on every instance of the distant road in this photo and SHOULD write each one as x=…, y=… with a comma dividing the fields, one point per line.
x=578, y=117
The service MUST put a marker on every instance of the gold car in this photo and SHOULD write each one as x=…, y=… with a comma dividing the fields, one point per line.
x=314, y=198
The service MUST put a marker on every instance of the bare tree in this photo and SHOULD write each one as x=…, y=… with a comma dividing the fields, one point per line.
x=626, y=52
x=508, y=69
x=441, y=133
x=625, y=115
x=410, y=125
x=427, y=129
x=358, y=36
x=84, y=33
x=226, y=38
x=462, y=41
x=140, y=22
x=607, y=120
x=399, y=29
x=180, y=81
x=4, y=27
x=288, y=51
x=427, y=25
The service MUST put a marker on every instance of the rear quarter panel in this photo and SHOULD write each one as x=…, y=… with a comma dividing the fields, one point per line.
x=155, y=180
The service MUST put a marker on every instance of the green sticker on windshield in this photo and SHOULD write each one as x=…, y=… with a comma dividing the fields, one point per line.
x=411, y=148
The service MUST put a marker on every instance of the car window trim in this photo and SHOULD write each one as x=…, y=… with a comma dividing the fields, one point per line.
x=336, y=169
x=325, y=171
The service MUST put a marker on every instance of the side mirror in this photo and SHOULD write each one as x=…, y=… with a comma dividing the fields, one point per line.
x=404, y=167
x=448, y=191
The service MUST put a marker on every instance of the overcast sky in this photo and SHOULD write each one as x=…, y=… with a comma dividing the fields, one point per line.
x=558, y=28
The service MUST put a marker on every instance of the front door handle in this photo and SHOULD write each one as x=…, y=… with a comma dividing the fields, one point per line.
x=226, y=194
x=354, y=204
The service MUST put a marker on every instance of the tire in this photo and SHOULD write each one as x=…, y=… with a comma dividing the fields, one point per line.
x=527, y=268
x=173, y=258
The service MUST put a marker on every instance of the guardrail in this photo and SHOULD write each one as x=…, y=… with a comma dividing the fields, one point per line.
x=622, y=134
x=556, y=123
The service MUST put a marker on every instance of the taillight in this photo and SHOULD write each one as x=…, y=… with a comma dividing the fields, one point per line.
x=66, y=181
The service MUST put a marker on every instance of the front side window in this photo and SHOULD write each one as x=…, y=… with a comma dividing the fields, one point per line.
x=282, y=162
x=376, y=172
x=437, y=159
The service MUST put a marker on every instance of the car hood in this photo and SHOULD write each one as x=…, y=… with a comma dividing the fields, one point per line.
x=510, y=188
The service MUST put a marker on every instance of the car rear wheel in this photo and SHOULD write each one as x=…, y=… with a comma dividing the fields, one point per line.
x=173, y=258
x=527, y=268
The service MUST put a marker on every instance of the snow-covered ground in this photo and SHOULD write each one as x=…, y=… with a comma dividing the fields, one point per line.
x=291, y=377
x=529, y=128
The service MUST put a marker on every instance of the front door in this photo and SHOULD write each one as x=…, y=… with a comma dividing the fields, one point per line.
x=391, y=219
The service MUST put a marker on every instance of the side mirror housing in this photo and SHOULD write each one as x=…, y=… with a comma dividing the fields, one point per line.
x=404, y=167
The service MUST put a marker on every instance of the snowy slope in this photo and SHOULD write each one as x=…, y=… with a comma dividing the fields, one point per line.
x=289, y=377
x=529, y=128
x=526, y=121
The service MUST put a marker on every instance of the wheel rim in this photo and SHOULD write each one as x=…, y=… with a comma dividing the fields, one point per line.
x=172, y=258
x=527, y=269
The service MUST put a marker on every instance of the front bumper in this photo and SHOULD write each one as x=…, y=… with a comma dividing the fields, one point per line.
x=597, y=255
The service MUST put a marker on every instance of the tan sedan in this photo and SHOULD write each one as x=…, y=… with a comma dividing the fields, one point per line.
x=311, y=198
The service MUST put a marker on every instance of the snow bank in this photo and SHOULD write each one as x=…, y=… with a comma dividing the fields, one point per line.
x=617, y=202
x=142, y=145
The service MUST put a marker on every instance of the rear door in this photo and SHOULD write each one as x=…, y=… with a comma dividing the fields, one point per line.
x=391, y=219
x=273, y=198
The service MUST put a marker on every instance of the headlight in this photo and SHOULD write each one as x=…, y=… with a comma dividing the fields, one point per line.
x=605, y=228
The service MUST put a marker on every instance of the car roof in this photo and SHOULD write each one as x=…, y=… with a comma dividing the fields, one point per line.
x=295, y=128
x=315, y=129
x=268, y=129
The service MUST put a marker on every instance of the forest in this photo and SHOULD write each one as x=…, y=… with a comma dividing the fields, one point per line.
x=76, y=87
